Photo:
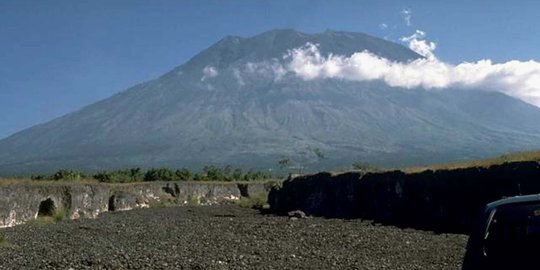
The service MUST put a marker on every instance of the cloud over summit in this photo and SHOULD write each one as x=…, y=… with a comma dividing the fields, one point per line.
x=418, y=44
x=514, y=78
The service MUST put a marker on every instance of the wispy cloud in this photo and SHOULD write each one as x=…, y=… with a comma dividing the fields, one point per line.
x=238, y=76
x=383, y=26
x=272, y=68
x=420, y=45
x=209, y=72
x=515, y=78
x=406, y=14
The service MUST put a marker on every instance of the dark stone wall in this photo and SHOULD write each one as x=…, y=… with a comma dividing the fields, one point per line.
x=442, y=200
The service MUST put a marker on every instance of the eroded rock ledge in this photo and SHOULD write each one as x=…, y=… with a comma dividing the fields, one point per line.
x=442, y=200
x=20, y=202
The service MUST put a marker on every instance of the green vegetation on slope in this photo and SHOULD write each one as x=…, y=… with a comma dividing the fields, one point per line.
x=230, y=174
x=208, y=173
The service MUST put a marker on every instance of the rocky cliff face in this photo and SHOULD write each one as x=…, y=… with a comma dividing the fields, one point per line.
x=442, y=200
x=20, y=202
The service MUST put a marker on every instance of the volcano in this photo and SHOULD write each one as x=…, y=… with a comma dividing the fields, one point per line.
x=235, y=104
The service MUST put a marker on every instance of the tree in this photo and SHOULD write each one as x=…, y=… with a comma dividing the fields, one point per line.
x=227, y=172
x=237, y=174
x=213, y=173
x=135, y=174
x=183, y=174
x=161, y=174
x=198, y=177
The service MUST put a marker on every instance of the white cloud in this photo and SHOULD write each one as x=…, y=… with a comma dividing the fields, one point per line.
x=272, y=68
x=406, y=14
x=237, y=74
x=209, y=72
x=418, y=44
x=514, y=78
x=383, y=26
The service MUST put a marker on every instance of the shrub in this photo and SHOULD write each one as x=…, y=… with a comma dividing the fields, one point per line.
x=183, y=174
x=208, y=173
x=59, y=215
x=106, y=177
x=213, y=173
x=161, y=204
x=45, y=220
x=255, y=202
x=198, y=177
x=272, y=185
x=56, y=216
x=237, y=174
x=40, y=177
x=161, y=174
x=255, y=176
x=120, y=176
x=68, y=175
x=193, y=201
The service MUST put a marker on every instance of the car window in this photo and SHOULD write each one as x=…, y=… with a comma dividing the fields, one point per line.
x=513, y=235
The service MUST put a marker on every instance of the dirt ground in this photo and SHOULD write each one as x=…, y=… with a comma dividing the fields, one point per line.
x=223, y=237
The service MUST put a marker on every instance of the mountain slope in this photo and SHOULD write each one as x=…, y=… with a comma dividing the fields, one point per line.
x=234, y=104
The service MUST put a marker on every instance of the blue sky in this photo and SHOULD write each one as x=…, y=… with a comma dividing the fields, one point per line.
x=57, y=56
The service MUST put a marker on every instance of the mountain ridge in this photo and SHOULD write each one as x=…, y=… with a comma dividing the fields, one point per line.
x=225, y=106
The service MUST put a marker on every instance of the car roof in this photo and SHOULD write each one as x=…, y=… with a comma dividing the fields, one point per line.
x=514, y=200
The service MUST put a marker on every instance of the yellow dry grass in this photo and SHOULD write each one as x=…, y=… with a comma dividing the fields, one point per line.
x=513, y=157
x=27, y=181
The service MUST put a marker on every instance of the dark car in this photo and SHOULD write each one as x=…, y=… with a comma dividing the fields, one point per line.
x=507, y=236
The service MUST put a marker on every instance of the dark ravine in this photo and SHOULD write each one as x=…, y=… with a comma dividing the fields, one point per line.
x=20, y=202
x=442, y=200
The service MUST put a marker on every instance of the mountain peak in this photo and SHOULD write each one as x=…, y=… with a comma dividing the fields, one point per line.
x=276, y=43
x=283, y=32
x=229, y=39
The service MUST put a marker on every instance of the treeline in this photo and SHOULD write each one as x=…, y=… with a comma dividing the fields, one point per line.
x=209, y=173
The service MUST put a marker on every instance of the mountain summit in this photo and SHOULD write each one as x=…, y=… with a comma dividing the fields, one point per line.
x=236, y=103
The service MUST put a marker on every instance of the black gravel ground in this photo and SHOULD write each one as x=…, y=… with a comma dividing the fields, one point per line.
x=223, y=237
